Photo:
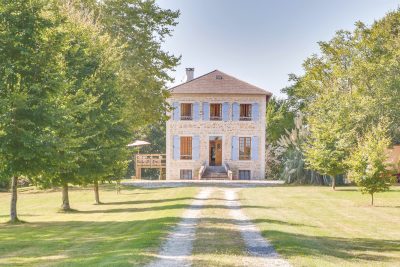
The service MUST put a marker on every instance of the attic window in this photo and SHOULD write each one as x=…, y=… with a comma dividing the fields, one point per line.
x=218, y=77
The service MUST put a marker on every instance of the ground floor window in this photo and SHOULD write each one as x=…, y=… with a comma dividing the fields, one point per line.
x=186, y=147
x=244, y=148
x=244, y=175
x=186, y=174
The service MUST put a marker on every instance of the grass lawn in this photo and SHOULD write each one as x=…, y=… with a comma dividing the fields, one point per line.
x=125, y=231
x=315, y=226
x=217, y=243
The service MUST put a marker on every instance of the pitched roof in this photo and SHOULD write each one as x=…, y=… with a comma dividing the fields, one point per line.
x=217, y=82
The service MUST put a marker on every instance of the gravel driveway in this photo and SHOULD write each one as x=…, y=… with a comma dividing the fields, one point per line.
x=177, y=249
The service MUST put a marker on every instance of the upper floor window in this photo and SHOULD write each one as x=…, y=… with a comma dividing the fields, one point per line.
x=244, y=148
x=186, y=147
x=186, y=111
x=245, y=112
x=215, y=112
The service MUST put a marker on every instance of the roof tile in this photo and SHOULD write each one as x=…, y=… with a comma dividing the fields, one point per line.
x=217, y=82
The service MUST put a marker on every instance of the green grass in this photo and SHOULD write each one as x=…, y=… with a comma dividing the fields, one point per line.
x=125, y=231
x=315, y=226
x=218, y=243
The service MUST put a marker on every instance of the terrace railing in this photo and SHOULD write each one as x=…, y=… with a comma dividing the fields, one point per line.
x=151, y=160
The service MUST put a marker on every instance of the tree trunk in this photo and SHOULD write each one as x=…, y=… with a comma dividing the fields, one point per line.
x=333, y=178
x=14, y=196
x=65, y=198
x=372, y=199
x=96, y=191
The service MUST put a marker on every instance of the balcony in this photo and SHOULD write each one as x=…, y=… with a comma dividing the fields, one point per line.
x=245, y=118
x=186, y=118
x=216, y=118
x=151, y=160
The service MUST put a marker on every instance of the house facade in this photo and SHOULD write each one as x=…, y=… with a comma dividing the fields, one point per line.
x=216, y=129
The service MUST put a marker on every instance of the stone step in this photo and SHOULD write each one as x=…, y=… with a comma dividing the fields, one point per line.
x=212, y=176
x=215, y=173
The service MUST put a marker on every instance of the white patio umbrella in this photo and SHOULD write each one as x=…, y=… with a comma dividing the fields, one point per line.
x=138, y=144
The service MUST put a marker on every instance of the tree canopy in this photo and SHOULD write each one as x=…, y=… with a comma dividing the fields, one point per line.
x=77, y=79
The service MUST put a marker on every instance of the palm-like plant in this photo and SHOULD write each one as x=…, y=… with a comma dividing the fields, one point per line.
x=294, y=169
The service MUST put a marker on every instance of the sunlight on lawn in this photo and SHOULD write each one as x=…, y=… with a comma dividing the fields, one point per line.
x=315, y=226
x=125, y=230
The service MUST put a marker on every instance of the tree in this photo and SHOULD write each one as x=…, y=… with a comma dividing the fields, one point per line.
x=362, y=64
x=31, y=73
x=279, y=118
x=92, y=131
x=106, y=130
x=368, y=162
x=140, y=27
x=291, y=147
x=333, y=125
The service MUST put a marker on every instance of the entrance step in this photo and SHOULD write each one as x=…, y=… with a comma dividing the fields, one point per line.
x=215, y=173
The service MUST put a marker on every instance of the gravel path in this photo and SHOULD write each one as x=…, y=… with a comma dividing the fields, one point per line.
x=177, y=249
x=261, y=252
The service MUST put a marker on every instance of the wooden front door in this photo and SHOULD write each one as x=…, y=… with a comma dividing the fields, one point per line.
x=218, y=153
x=215, y=153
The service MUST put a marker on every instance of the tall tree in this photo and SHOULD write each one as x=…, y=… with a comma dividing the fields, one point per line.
x=350, y=86
x=334, y=127
x=141, y=27
x=92, y=131
x=31, y=73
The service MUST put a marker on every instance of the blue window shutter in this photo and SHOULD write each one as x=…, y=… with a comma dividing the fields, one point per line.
x=255, y=113
x=196, y=111
x=176, y=111
x=196, y=147
x=225, y=111
x=235, y=148
x=254, y=148
x=177, y=147
x=206, y=111
x=235, y=111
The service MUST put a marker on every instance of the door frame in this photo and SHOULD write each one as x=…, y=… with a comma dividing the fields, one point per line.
x=222, y=147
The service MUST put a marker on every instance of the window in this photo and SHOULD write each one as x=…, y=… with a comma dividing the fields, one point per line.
x=245, y=112
x=186, y=147
x=215, y=112
x=186, y=111
x=244, y=148
x=186, y=174
x=244, y=175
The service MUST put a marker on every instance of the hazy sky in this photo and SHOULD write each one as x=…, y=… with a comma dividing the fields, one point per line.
x=258, y=41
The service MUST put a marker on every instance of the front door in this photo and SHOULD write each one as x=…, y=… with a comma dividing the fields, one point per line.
x=215, y=151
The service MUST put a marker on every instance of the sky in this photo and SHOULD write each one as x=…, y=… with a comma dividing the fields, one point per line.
x=260, y=41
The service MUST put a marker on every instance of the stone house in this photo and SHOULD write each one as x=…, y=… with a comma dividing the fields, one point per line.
x=216, y=129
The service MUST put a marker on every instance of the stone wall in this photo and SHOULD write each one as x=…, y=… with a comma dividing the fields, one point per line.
x=226, y=129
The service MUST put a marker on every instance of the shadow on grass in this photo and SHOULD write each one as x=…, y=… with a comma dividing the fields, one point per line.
x=290, y=244
x=146, y=201
x=19, y=215
x=155, y=201
x=83, y=243
x=237, y=222
x=166, y=207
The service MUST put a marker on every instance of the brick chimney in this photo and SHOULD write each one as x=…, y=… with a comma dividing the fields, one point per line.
x=189, y=74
